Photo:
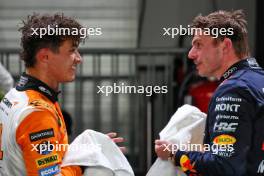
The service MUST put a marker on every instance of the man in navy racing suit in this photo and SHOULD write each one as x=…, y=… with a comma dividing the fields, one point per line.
x=235, y=122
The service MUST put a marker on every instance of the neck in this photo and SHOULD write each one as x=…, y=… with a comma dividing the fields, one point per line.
x=227, y=63
x=44, y=77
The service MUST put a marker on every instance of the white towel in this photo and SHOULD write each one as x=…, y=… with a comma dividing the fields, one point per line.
x=99, y=153
x=185, y=127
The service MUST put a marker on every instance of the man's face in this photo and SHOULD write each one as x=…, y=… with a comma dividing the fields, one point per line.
x=62, y=65
x=206, y=55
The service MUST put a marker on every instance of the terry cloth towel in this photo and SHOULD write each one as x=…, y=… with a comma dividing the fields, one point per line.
x=99, y=153
x=185, y=127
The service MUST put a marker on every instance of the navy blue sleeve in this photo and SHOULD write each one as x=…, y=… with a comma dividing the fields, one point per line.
x=228, y=135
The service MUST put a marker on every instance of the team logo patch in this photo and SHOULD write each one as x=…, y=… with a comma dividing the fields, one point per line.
x=186, y=164
x=49, y=171
x=43, y=134
x=52, y=159
x=224, y=139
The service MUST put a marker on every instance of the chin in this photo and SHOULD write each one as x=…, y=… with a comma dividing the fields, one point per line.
x=202, y=74
x=69, y=79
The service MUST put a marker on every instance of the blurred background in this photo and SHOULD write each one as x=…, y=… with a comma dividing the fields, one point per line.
x=131, y=50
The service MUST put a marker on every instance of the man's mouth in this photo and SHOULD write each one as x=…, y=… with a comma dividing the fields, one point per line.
x=197, y=64
x=73, y=67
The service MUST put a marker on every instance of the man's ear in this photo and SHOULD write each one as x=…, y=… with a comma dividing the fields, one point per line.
x=42, y=55
x=228, y=45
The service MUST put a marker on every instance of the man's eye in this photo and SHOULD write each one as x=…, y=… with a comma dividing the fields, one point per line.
x=198, y=45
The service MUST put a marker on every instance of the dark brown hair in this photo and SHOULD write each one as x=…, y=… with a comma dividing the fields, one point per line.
x=32, y=43
x=224, y=19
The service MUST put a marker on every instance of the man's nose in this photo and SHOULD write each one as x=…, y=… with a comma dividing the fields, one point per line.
x=78, y=57
x=192, y=53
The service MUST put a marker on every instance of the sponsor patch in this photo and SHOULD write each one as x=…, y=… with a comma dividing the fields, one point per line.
x=261, y=167
x=7, y=102
x=224, y=126
x=224, y=150
x=43, y=134
x=225, y=154
x=252, y=63
x=43, y=89
x=49, y=171
x=230, y=99
x=219, y=116
x=44, y=148
x=22, y=81
x=226, y=107
x=229, y=72
x=42, y=162
x=224, y=139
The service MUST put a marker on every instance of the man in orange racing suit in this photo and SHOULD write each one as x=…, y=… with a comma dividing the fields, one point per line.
x=34, y=137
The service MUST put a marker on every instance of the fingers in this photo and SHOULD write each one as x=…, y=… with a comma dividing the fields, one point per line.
x=162, y=149
x=118, y=140
x=112, y=134
x=159, y=148
x=161, y=142
x=123, y=149
x=162, y=152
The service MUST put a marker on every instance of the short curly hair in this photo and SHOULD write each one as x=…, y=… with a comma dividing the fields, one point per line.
x=32, y=43
x=227, y=19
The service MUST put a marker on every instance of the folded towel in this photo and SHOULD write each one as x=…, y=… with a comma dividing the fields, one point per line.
x=185, y=127
x=99, y=153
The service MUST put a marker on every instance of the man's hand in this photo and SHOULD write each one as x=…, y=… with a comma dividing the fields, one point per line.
x=163, y=149
x=117, y=140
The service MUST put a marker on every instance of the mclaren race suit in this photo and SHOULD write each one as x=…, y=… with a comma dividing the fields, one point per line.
x=234, y=132
x=34, y=137
x=6, y=80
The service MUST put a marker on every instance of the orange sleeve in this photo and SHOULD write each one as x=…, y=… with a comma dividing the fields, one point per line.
x=40, y=137
x=71, y=170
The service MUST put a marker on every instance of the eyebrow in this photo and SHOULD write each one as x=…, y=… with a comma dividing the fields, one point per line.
x=74, y=44
x=195, y=41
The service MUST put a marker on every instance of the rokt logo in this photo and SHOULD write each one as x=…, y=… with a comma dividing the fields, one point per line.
x=227, y=107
